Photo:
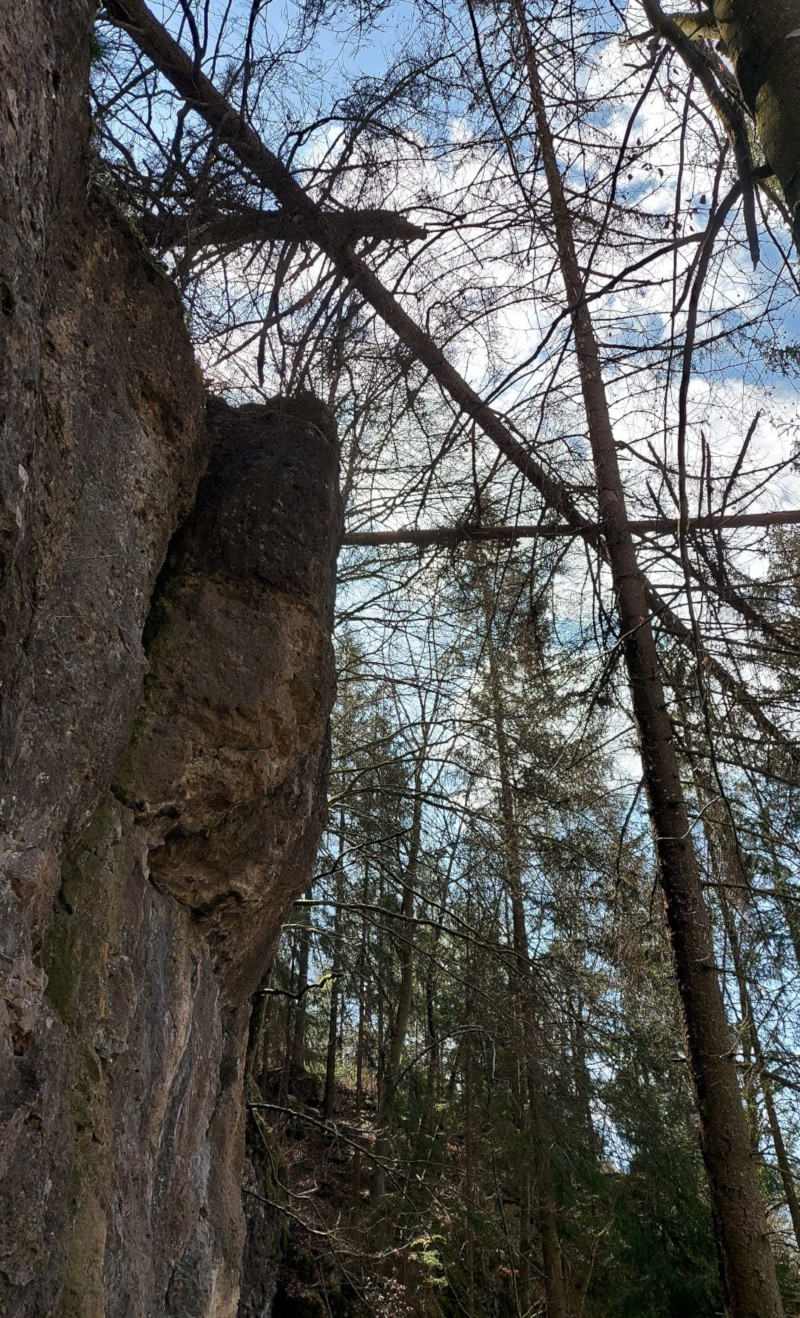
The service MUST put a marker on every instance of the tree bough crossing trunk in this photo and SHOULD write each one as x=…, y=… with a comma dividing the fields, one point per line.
x=748, y=1271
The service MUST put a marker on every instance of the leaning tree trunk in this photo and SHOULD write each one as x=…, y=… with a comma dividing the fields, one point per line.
x=747, y=1266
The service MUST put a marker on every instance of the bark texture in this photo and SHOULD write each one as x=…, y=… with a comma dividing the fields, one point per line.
x=166, y=681
x=762, y=38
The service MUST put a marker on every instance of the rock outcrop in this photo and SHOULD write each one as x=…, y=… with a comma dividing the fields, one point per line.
x=238, y=695
x=166, y=682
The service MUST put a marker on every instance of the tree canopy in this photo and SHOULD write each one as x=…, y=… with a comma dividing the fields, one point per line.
x=538, y=258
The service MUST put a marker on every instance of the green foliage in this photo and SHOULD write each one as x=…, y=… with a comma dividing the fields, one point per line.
x=457, y=1219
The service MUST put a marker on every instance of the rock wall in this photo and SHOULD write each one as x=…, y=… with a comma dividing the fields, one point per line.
x=166, y=680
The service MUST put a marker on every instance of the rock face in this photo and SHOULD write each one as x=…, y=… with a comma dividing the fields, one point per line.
x=238, y=696
x=103, y=446
x=166, y=683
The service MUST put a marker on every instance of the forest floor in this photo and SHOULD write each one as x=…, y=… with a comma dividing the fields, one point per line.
x=344, y=1257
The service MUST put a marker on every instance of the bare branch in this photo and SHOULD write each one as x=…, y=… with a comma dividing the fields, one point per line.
x=448, y=535
x=229, y=230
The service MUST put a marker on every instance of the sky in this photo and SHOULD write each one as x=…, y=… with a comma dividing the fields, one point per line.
x=500, y=312
x=486, y=284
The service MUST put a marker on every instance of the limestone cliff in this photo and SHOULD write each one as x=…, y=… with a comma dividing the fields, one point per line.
x=166, y=683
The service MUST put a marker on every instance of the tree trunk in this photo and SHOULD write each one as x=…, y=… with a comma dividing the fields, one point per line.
x=747, y=1266
x=388, y=1081
x=787, y=898
x=336, y=965
x=297, y=1059
x=469, y=1154
x=582, y=1079
x=288, y=1027
x=761, y=40
x=533, y=1087
x=362, y=1014
x=728, y=869
x=765, y=1085
x=329, y=1092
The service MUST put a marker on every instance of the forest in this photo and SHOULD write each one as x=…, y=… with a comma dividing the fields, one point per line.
x=570, y=203
x=529, y=1040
